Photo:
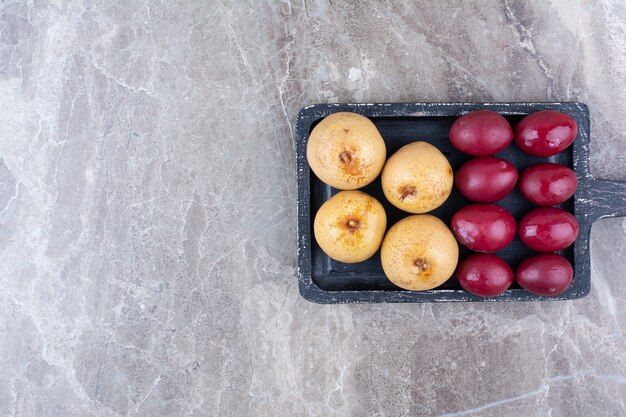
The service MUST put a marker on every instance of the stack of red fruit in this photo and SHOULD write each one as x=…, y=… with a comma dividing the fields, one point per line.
x=487, y=228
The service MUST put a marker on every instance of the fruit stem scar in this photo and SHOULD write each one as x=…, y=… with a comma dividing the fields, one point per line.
x=346, y=157
x=407, y=191
x=422, y=265
x=353, y=225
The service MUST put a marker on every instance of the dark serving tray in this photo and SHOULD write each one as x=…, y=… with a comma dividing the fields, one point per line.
x=324, y=280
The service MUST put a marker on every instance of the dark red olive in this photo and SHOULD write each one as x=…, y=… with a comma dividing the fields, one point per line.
x=545, y=274
x=548, y=184
x=486, y=180
x=484, y=274
x=481, y=133
x=548, y=229
x=545, y=133
x=483, y=227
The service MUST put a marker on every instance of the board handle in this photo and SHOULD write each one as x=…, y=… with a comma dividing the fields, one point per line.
x=608, y=199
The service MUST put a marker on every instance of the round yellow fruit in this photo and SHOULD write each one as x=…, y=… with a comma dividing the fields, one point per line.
x=417, y=178
x=419, y=253
x=350, y=226
x=346, y=151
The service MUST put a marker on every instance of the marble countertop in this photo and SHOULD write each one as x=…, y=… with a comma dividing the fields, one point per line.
x=148, y=217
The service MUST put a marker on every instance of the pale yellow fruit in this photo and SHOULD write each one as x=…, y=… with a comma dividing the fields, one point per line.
x=419, y=253
x=350, y=226
x=417, y=178
x=346, y=151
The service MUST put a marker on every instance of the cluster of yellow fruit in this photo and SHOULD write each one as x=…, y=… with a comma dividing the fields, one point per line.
x=346, y=151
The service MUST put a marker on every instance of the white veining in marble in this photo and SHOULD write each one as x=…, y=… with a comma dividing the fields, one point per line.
x=147, y=210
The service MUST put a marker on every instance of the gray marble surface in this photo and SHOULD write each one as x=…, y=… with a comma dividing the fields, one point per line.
x=147, y=210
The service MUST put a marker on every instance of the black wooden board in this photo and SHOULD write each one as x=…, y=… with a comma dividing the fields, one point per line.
x=324, y=280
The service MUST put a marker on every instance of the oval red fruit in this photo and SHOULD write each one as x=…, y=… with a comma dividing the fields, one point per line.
x=484, y=274
x=481, y=133
x=545, y=274
x=486, y=180
x=548, y=229
x=548, y=184
x=545, y=133
x=483, y=227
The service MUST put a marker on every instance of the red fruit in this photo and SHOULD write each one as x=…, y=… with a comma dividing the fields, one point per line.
x=548, y=184
x=545, y=133
x=486, y=180
x=545, y=274
x=481, y=133
x=484, y=274
x=483, y=227
x=548, y=229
